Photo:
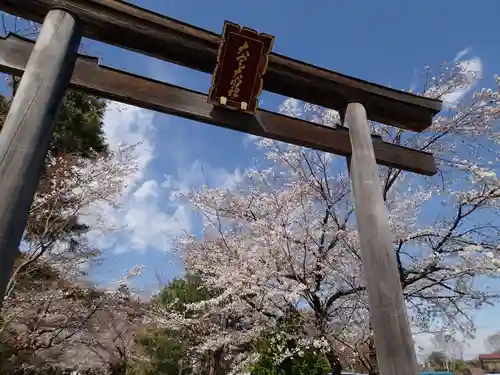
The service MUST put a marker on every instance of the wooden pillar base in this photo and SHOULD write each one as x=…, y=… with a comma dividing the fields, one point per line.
x=393, y=340
x=26, y=134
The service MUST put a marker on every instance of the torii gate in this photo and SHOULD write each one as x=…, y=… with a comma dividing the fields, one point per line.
x=52, y=64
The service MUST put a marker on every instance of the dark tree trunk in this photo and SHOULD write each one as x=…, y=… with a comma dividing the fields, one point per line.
x=213, y=363
x=119, y=368
x=335, y=365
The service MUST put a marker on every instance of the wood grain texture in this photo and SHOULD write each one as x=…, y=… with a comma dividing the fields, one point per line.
x=124, y=25
x=128, y=88
x=26, y=134
x=393, y=339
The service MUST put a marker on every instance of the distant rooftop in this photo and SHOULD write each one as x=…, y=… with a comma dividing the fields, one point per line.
x=489, y=356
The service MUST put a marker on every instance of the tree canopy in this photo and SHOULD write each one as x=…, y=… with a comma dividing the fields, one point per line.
x=284, y=237
x=48, y=305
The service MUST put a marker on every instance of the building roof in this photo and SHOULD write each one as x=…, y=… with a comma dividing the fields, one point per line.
x=489, y=356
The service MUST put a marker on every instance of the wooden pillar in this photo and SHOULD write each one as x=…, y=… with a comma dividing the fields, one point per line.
x=26, y=134
x=393, y=339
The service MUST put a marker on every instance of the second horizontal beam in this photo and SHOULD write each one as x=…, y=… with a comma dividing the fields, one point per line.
x=128, y=88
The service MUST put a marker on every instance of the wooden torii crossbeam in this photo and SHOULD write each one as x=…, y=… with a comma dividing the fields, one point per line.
x=91, y=77
x=54, y=65
x=123, y=25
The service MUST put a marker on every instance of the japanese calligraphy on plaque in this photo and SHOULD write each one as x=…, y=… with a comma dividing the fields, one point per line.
x=241, y=63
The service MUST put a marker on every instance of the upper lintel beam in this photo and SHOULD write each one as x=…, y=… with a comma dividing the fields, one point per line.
x=124, y=25
x=132, y=89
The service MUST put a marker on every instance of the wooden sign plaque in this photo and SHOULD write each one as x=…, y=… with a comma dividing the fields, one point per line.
x=241, y=62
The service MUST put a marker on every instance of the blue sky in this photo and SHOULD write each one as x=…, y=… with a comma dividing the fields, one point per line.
x=385, y=41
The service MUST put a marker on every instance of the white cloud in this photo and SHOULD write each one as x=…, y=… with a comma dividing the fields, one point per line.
x=472, y=71
x=461, y=54
x=148, y=224
x=468, y=73
x=126, y=125
x=198, y=174
x=195, y=176
x=149, y=215
x=149, y=227
x=148, y=189
x=138, y=221
x=249, y=139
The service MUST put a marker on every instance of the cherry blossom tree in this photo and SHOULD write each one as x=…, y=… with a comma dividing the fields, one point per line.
x=69, y=195
x=451, y=348
x=284, y=239
x=107, y=344
x=47, y=302
x=37, y=329
x=492, y=342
